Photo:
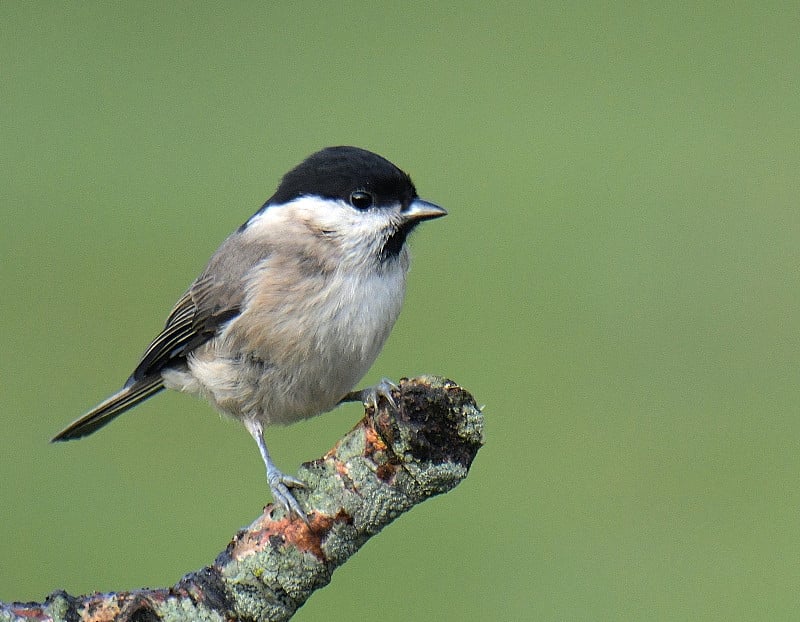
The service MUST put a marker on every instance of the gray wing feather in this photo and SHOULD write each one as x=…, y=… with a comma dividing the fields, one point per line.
x=213, y=299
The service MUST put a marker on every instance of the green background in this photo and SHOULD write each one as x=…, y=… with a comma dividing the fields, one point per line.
x=617, y=281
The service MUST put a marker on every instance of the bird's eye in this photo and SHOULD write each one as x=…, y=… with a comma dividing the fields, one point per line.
x=361, y=199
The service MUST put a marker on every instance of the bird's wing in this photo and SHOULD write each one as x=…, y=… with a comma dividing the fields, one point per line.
x=215, y=298
x=207, y=305
x=193, y=321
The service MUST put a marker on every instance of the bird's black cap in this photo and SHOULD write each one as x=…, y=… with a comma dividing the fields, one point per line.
x=335, y=172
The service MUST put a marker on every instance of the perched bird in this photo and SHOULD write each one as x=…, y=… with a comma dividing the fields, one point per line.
x=293, y=308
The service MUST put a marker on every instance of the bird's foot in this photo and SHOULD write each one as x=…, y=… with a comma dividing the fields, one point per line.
x=279, y=485
x=369, y=396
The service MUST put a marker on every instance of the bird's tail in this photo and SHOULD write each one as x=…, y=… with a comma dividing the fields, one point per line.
x=105, y=412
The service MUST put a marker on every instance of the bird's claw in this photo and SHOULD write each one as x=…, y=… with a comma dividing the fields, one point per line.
x=279, y=485
x=371, y=395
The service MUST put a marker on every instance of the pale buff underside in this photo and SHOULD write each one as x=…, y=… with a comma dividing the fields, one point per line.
x=309, y=329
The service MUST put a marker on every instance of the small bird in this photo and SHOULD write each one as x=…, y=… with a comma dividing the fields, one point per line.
x=293, y=308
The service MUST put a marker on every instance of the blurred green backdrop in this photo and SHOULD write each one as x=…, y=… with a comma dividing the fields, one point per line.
x=617, y=281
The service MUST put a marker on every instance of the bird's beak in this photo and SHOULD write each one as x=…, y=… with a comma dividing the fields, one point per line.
x=419, y=210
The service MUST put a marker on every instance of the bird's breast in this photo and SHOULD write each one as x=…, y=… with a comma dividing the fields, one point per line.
x=300, y=344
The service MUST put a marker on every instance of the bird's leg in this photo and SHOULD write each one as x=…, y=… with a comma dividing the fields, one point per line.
x=279, y=483
x=370, y=395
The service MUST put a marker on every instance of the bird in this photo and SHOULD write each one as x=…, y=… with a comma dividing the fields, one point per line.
x=292, y=309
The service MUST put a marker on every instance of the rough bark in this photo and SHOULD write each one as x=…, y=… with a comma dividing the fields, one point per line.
x=388, y=463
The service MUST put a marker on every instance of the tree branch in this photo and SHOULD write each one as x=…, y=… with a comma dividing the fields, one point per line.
x=384, y=466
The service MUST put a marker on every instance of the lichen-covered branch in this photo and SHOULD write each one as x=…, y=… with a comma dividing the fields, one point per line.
x=388, y=463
